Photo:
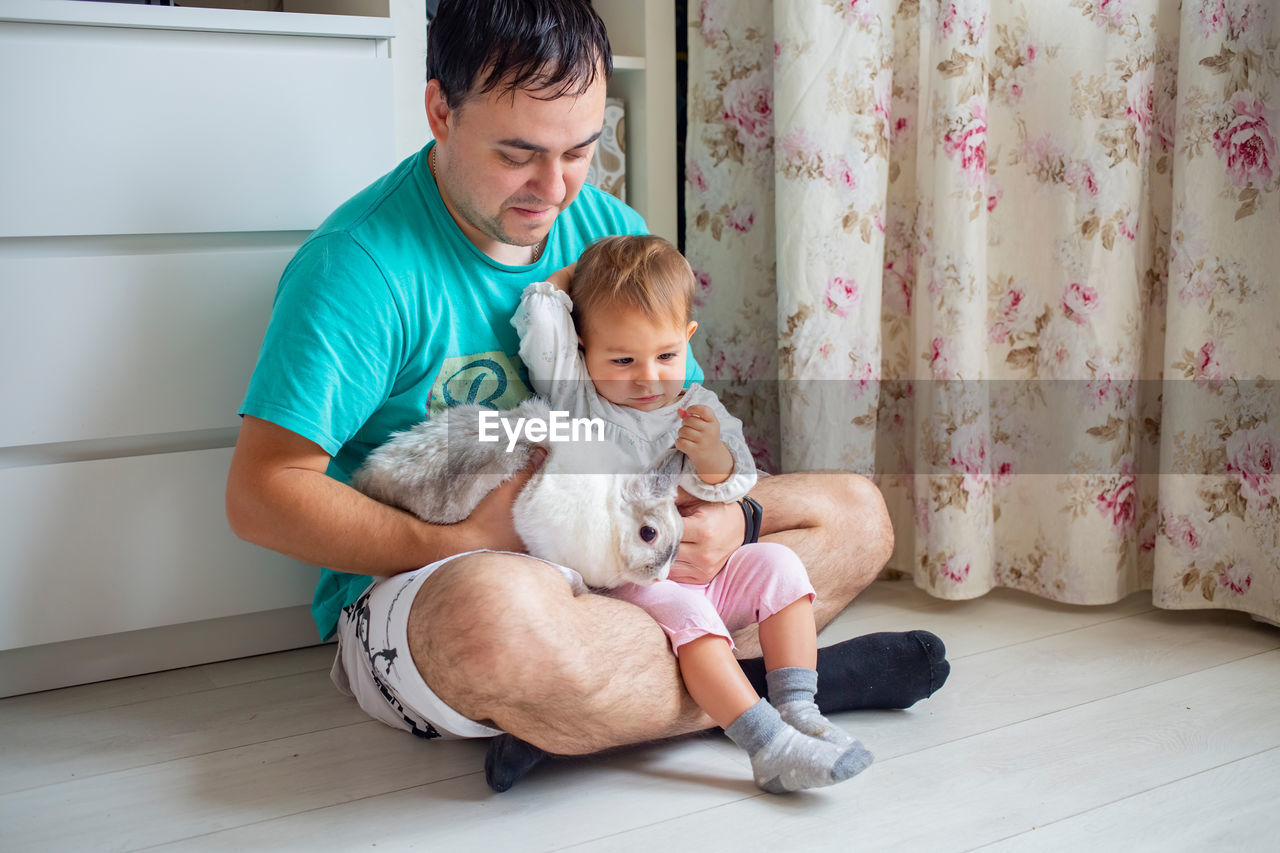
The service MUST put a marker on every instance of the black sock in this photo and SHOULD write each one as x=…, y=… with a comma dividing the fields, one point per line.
x=508, y=760
x=887, y=670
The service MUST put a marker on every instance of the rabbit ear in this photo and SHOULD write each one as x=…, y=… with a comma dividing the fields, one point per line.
x=664, y=474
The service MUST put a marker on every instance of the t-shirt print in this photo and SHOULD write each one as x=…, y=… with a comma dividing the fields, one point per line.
x=490, y=379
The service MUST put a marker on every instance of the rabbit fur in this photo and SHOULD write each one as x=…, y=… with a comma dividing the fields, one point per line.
x=612, y=528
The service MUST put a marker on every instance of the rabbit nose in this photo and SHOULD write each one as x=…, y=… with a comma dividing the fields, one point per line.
x=648, y=534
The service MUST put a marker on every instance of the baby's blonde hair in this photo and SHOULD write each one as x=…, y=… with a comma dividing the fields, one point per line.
x=633, y=271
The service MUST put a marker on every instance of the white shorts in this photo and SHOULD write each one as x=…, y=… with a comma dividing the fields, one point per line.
x=374, y=664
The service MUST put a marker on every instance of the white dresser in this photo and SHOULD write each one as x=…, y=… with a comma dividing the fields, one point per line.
x=158, y=167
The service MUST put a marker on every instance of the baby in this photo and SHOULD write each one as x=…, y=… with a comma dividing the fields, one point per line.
x=616, y=351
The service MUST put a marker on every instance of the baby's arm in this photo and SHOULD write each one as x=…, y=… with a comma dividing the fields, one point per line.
x=548, y=340
x=711, y=438
x=699, y=439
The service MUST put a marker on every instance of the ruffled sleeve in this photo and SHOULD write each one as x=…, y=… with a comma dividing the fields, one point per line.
x=548, y=341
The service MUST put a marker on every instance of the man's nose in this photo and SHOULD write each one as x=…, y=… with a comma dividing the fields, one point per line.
x=548, y=182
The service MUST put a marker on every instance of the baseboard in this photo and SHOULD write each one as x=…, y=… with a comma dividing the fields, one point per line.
x=54, y=665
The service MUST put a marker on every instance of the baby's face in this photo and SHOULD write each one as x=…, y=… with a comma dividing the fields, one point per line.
x=633, y=361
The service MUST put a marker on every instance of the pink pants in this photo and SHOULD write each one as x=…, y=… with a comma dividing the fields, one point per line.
x=758, y=580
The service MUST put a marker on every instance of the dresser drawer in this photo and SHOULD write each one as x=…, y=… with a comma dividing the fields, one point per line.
x=115, y=130
x=146, y=340
x=116, y=545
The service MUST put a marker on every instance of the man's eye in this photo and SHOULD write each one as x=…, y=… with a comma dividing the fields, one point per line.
x=511, y=161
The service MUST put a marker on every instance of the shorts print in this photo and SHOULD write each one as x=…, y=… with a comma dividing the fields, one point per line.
x=383, y=664
x=374, y=664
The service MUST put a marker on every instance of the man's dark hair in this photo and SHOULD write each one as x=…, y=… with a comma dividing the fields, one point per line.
x=478, y=46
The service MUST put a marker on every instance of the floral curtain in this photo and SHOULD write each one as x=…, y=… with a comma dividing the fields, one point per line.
x=1018, y=260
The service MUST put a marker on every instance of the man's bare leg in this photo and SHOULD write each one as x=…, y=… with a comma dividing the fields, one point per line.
x=502, y=638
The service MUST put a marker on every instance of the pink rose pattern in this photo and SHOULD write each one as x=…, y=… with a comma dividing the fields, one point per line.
x=748, y=109
x=1079, y=302
x=1236, y=578
x=1252, y=460
x=955, y=569
x=967, y=143
x=1246, y=142
x=841, y=295
x=1182, y=533
x=1089, y=269
x=1118, y=502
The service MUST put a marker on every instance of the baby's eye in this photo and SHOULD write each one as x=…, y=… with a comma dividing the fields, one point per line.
x=621, y=362
x=667, y=356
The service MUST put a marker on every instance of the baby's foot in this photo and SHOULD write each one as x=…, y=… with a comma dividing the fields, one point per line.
x=785, y=759
x=805, y=717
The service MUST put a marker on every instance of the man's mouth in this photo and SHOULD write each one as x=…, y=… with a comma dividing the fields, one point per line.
x=533, y=212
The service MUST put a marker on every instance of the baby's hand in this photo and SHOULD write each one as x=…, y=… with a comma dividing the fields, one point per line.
x=563, y=277
x=699, y=439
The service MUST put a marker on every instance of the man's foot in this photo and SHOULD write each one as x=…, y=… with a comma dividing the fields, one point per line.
x=882, y=671
x=509, y=760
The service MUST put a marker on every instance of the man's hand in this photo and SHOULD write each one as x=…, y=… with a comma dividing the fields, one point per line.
x=712, y=531
x=563, y=277
x=490, y=524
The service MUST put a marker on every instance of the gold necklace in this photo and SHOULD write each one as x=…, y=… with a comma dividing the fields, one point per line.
x=431, y=165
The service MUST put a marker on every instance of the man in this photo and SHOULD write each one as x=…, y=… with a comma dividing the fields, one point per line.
x=398, y=306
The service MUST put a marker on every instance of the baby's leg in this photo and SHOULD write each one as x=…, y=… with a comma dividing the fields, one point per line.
x=768, y=583
x=782, y=758
x=702, y=645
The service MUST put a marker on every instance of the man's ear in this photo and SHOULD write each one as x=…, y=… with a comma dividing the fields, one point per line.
x=438, y=111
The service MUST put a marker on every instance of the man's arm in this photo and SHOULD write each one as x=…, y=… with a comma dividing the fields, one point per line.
x=279, y=497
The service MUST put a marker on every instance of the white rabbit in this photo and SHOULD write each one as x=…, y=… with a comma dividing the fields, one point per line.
x=612, y=528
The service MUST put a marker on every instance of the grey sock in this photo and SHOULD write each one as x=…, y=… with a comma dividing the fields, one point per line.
x=783, y=759
x=755, y=727
x=791, y=690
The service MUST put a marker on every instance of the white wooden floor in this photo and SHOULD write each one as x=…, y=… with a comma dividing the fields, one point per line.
x=1062, y=728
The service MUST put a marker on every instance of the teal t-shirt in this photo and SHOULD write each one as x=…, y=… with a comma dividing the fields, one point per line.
x=388, y=314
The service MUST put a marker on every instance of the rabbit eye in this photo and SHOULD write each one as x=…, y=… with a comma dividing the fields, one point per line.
x=648, y=534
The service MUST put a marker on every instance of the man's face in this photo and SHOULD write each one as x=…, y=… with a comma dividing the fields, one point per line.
x=508, y=163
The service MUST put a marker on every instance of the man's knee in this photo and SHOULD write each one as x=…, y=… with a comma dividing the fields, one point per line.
x=468, y=611
x=851, y=504
x=869, y=514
